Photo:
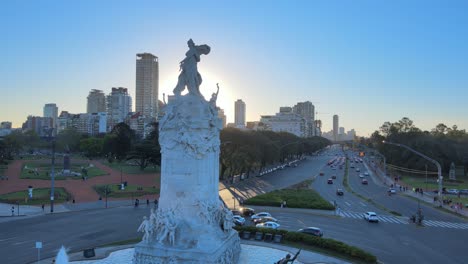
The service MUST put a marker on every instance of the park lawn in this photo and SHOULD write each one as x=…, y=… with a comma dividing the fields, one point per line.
x=294, y=198
x=40, y=196
x=132, y=169
x=130, y=191
x=45, y=168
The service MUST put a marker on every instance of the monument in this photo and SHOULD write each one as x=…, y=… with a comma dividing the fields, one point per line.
x=191, y=224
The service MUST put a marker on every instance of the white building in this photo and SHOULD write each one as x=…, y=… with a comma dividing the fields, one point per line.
x=119, y=104
x=239, y=113
x=307, y=110
x=96, y=102
x=147, y=84
x=51, y=110
x=90, y=124
x=285, y=121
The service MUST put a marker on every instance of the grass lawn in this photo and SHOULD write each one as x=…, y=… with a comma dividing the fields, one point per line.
x=130, y=191
x=44, y=170
x=295, y=198
x=132, y=169
x=40, y=196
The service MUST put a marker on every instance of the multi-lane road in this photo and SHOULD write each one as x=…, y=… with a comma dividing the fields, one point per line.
x=392, y=240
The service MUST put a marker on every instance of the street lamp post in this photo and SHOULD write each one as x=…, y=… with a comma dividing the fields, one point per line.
x=234, y=199
x=384, y=163
x=52, y=173
x=439, y=168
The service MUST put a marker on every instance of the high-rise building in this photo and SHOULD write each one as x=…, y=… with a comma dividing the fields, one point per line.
x=51, y=110
x=147, y=84
x=307, y=110
x=96, y=102
x=222, y=116
x=41, y=125
x=119, y=104
x=335, y=128
x=284, y=121
x=5, y=125
x=239, y=114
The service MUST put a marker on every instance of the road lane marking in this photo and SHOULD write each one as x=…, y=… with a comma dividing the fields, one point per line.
x=363, y=204
x=347, y=203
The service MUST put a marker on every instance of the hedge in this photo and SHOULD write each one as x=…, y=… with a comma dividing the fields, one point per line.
x=325, y=243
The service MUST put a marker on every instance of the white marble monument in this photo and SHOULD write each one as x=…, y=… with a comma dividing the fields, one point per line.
x=191, y=224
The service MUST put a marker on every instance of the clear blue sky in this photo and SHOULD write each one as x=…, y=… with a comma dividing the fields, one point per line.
x=367, y=61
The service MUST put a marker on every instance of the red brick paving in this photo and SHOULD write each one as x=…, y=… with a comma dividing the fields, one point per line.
x=81, y=191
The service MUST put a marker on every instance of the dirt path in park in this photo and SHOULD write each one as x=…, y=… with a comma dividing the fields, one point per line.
x=81, y=191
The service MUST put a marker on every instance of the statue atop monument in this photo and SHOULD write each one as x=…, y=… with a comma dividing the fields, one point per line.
x=189, y=75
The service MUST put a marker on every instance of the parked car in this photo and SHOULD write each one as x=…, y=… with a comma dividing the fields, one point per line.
x=315, y=231
x=364, y=181
x=371, y=217
x=330, y=181
x=452, y=191
x=268, y=225
x=236, y=212
x=246, y=211
x=463, y=191
x=260, y=215
x=239, y=220
x=265, y=219
x=339, y=192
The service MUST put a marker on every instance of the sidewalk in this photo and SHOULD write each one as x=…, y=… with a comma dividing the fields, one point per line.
x=427, y=197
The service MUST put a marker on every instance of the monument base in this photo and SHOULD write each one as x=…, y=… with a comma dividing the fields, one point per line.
x=226, y=252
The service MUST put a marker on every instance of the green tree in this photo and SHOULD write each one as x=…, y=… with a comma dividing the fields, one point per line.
x=69, y=139
x=92, y=147
x=119, y=141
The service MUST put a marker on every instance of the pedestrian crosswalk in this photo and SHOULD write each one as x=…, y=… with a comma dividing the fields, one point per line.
x=405, y=220
x=385, y=219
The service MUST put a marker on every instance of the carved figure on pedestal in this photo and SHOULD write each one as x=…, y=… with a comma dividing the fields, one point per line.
x=228, y=221
x=189, y=75
x=146, y=228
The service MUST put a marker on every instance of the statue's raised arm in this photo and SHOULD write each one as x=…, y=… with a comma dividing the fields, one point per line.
x=189, y=75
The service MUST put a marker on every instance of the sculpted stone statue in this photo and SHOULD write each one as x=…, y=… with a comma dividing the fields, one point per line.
x=189, y=75
x=288, y=258
x=146, y=228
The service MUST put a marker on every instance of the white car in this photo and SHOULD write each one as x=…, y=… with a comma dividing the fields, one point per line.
x=260, y=215
x=366, y=173
x=239, y=220
x=358, y=170
x=371, y=217
x=361, y=175
x=268, y=225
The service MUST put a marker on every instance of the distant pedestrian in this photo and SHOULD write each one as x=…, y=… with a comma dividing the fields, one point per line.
x=284, y=204
x=73, y=201
x=43, y=207
x=147, y=202
x=12, y=211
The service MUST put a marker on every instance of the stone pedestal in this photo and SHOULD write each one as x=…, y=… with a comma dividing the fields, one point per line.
x=191, y=224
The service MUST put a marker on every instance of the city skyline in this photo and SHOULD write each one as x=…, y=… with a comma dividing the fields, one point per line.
x=367, y=63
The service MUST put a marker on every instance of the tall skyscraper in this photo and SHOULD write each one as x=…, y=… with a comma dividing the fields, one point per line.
x=96, y=102
x=307, y=111
x=51, y=110
x=239, y=114
x=222, y=116
x=147, y=84
x=119, y=104
x=335, y=127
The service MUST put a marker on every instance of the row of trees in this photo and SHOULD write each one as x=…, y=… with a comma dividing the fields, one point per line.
x=444, y=144
x=241, y=151
x=252, y=151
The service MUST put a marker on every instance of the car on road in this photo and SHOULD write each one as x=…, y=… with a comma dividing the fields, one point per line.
x=333, y=176
x=321, y=173
x=236, y=212
x=339, y=192
x=265, y=219
x=364, y=181
x=268, y=225
x=358, y=170
x=239, y=220
x=366, y=173
x=246, y=211
x=330, y=181
x=391, y=191
x=260, y=215
x=361, y=175
x=314, y=231
x=452, y=191
x=371, y=217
